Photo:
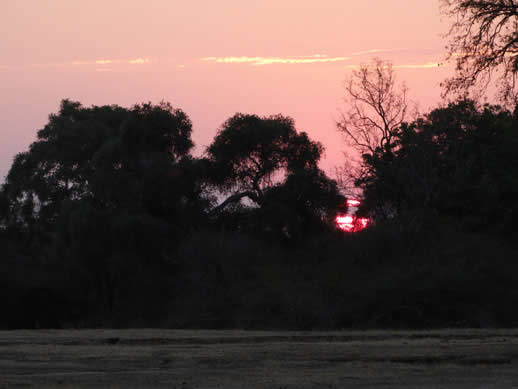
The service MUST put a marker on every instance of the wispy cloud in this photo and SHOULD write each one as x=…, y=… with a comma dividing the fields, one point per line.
x=97, y=63
x=105, y=61
x=375, y=51
x=427, y=65
x=139, y=61
x=134, y=61
x=46, y=65
x=261, y=61
x=321, y=58
x=393, y=50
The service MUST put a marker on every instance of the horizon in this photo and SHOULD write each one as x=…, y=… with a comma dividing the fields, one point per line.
x=261, y=57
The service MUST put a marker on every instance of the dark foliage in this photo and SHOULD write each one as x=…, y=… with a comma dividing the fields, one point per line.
x=266, y=161
x=105, y=193
x=458, y=162
x=484, y=45
x=108, y=220
x=392, y=276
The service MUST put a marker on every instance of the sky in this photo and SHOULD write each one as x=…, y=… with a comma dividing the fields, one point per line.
x=211, y=59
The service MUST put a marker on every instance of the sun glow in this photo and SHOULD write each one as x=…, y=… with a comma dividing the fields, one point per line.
x=350, y=222
x=353, y=203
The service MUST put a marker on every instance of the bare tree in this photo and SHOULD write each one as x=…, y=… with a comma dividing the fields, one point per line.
x=484, y=45
x=377, y=105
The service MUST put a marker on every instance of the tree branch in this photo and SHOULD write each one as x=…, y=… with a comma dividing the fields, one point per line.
x=233, y=199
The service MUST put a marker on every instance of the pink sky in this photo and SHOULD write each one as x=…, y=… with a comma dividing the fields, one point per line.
x=209, y=58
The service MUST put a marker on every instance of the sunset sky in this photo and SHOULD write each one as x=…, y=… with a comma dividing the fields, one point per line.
x=209, y=58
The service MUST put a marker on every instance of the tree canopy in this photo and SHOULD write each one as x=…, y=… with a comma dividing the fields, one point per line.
x=111, y=156
x=458, y=161
x=250, y=154
x=108, y=220
x=267, y=161
x=484, y=45
x=133, y=166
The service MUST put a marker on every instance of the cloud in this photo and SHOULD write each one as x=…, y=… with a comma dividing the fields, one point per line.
x=135, y=61
x=261, y=61
x=83, y=63
x=105, y=61
x=48, y=65
x=375, y=51
x=139, y=61
x=394, y=50
x=98, y=62
x=317, y=58
x=427, y=65
x=94, y=64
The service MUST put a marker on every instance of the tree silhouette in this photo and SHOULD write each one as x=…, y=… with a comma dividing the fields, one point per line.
x=113, y=156
x=266, y=161
x=484, y=42
x=250, y=154
x=377, y=106
x=457, y=161
x=4, y=208
x=107, y=191
x=303, y=205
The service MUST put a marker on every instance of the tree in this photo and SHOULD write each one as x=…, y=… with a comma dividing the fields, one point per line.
x=109, y=155
x=377, y=106
x=484, y=41
x=266, y=161
x=250, y=154
x=4, y=208
x=305, y=203
x=107, y=193
x=457, y=161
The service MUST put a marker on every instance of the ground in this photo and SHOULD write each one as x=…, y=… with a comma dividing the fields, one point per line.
x=256, y=360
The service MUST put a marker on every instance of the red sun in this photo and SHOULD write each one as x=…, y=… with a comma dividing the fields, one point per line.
x=349, y=222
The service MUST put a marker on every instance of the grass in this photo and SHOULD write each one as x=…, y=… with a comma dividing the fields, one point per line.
x=259, y=359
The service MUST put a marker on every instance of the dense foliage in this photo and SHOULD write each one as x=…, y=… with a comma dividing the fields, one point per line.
x=459, y=162
x=108, y=220
x=104, y=197
x=266, y=161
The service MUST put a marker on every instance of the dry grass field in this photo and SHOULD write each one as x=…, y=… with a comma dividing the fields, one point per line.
x=250, y=359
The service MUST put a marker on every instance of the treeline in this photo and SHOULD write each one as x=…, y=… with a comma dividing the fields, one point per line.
x=109, y=220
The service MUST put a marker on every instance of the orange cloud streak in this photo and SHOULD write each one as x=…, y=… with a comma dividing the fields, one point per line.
x=261, y=61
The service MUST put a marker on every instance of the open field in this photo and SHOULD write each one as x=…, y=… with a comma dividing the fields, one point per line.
x=251, y=359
